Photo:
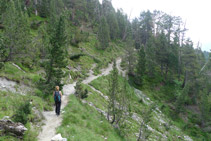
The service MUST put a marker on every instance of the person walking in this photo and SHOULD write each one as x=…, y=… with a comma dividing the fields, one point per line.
x=57, y=98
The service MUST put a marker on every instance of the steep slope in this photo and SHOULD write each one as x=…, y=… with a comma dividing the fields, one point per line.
x=51, y=120
x=86, y=119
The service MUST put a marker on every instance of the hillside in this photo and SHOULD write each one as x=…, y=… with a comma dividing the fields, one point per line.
x=121, y=79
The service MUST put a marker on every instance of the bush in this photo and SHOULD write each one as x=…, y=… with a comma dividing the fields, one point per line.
x=80, y=91
x=75, y=75
x=21, y=115
x=1, y=65
x=80, y=36
x=35, y=24
x=38, y=93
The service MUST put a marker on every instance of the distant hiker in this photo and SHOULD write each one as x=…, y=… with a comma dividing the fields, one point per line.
x=57, y=98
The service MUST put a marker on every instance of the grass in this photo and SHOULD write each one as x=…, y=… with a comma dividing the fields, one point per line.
x=9, y=103
x=90, y=54
x=169, y=128
x=187, y=121
x=82, y=122
x=13, y=73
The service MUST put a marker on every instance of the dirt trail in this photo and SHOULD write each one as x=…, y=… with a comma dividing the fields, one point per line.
x=51, y=120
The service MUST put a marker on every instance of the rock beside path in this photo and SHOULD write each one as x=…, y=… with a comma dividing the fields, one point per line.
x=58, y=137
x=9, y=126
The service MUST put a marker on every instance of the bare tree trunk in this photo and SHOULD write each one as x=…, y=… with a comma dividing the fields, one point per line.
x=125, y=32
x=114, y=118
x=35, y=1
x=108, y=114
x=179, y=58
x=161, y=68
x=185, y=80
x=166, y=72
x=27, y=2
x=50, y=73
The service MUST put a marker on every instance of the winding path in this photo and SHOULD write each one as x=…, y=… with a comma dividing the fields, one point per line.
x=51, y=120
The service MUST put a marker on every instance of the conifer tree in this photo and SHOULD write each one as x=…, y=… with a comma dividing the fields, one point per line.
x=141, y=66
x=130, y=57
x=151, y=63
x=122, y=23
x=3, y=7
x=44, y=8
x=2, y=48
x=103, y=33
x=16, y=33
x=113, y=94
x=113, y=25
x=57, y=54
x=146, y=26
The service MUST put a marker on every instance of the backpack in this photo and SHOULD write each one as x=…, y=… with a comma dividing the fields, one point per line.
x=57, y=96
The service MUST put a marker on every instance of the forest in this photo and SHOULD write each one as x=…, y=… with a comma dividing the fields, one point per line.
x=58, y=42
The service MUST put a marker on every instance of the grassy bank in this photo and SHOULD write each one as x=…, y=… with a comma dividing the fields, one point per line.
x=11, y=104
x=82, y=121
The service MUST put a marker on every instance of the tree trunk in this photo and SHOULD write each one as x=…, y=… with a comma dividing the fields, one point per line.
x=50, y=72
x=166, y=72
x=185, y=80
x=35, y=1
x=161, y=68
x=114, y=118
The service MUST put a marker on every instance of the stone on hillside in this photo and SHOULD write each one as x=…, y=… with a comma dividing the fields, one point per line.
x=9, y=126
x=38, y=115
x=58, y=137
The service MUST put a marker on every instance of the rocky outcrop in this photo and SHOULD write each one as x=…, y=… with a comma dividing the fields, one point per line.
x=9, y=126
x=14, y=87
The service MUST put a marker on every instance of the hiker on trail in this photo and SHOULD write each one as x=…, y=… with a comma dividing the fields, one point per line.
x=57, y=98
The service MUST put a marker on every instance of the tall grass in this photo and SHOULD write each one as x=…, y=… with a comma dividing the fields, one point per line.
x=82, y=122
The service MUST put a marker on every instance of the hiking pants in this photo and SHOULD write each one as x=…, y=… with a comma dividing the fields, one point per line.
x=58, y=106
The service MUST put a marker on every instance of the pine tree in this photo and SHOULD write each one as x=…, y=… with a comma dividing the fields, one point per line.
x=113, y=25
x=151, y=62
x=113, y=94
x=103, y=33
x=44, y=8
x=205, y=107
x=57, y=54
x=162, y=52
x=2, y=48
x=122, y=23
x=135, y=33
x=130, y=57
x=146, y=26
x=141, y=67
x=3, y=7
x=16, y=33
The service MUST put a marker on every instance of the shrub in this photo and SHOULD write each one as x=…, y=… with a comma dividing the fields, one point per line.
x=80, y=91
x=1, y=65
x=21, y=114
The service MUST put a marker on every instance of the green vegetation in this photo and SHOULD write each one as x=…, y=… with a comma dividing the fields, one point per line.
x=55, y=42
x=73, y=117
x=82, y=122
x=172, y=123
x=25, y=76
x=14, y=106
